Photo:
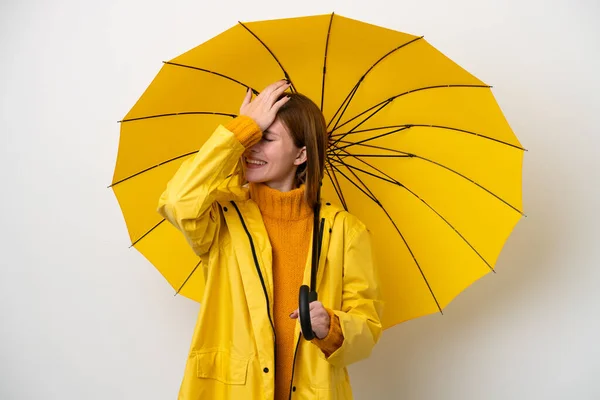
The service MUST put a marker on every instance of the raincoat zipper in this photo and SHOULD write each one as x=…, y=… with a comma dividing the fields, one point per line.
x=320, y=243
x=262, y=281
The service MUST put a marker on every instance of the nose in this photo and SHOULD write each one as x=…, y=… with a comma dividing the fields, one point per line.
x=251, y=152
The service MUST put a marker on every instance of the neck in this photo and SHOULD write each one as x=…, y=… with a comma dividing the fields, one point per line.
x=284, y=185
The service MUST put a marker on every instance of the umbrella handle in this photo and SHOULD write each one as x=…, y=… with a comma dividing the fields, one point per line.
x=306, y=297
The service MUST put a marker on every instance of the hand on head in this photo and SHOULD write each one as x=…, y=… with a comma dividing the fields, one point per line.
x=263, y=109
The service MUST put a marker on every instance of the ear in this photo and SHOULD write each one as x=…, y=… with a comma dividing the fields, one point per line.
x=301, y=156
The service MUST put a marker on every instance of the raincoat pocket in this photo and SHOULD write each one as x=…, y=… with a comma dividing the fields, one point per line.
x=221, y=366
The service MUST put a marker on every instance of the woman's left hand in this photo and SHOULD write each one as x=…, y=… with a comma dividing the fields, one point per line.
x=319, y=318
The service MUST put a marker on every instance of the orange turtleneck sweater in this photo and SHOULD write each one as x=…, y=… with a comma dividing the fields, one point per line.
x=288, y=220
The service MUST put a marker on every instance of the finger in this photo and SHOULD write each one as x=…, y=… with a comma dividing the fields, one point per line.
x=318, y=321
x=314, y=305
x=278, y=91
x=319, y=312
x=280, y=103
x=272, y=87
x=294, y=314
x=318, y=325
x=247, y=98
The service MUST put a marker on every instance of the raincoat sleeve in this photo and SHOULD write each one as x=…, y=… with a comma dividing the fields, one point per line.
x=362, y=305
x=189, y=201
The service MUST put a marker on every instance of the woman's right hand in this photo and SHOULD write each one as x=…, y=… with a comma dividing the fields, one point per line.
x=263, y=109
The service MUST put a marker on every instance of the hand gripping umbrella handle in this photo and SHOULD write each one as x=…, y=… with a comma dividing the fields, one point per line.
x=306, y=297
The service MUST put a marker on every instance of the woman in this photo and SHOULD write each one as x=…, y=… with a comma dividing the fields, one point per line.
x=254, y=241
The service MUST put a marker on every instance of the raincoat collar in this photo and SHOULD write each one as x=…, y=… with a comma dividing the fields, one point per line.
x=280, y=205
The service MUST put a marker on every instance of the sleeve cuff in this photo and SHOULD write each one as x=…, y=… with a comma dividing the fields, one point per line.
x=334, y=339
x=245, y=129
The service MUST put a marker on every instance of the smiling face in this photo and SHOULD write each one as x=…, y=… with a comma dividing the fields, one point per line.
x=275, y=159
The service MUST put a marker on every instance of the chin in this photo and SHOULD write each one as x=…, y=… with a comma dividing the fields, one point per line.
x=255, y=179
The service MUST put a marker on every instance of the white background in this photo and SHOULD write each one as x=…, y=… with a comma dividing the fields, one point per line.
x=85, y=317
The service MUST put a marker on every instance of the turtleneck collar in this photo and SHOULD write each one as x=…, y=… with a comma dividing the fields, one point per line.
x=280, y=205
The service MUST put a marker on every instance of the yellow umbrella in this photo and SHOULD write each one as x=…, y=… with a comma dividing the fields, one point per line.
x=419, y=149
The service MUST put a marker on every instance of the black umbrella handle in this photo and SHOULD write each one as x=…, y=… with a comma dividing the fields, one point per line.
x=306, y=297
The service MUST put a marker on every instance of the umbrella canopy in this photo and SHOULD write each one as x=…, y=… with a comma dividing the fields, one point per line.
x=419, y=149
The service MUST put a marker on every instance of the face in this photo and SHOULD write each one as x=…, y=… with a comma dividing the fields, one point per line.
x=274, y=159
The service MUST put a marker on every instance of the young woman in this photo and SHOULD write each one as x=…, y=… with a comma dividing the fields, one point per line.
x=245, y=205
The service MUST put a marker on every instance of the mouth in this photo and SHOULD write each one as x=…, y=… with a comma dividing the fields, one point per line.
x=254, y=163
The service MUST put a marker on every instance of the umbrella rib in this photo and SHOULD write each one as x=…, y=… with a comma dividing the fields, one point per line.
x=449, y=169
x=325, y=61
x=336, y=186
x=385, y=176
x=188, y=277
x=379, y=155
x=403, y=239
x=388, y=101
x=379, y=128
x=179, y=113
x=355, y=88
x=400, y=129
x=436, y=127
x=393, y=181
x=381, y=107
x=371, y=194
x=344, y=104
x=147, y=233
x=287, y=76
x=212, y=72
x=151, y=168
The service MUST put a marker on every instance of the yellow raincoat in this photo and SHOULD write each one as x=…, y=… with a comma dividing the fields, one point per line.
x=232, y=355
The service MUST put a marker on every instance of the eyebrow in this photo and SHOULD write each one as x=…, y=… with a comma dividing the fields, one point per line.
x=268, y=132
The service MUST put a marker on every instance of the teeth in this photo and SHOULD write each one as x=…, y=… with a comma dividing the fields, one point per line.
x=256, y=162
